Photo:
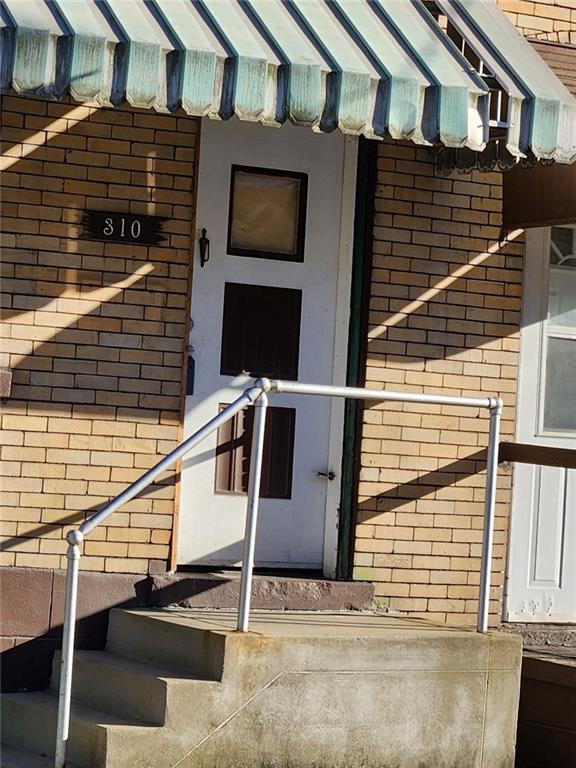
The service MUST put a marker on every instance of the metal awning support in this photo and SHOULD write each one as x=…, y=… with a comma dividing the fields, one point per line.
x=425, y=71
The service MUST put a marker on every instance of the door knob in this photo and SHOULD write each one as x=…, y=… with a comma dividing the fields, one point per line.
x=329, y=475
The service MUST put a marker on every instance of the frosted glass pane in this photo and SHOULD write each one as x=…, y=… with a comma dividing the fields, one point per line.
x=560, y=386
x=562, y=285
x=266, y=215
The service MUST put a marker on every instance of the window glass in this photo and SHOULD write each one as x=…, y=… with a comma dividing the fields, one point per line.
x=234, y=443
x=267, y=211
x=559, y=411
x=562, y=285
x=261, y=331
x=560, y=386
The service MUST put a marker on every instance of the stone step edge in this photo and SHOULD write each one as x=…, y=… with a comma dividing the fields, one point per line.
x=208, y=590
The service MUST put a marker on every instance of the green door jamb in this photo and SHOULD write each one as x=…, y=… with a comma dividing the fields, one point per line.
x=356, y=368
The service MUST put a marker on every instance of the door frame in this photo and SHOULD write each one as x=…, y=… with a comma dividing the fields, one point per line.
x=531, y=371
x=341, y=350
x=346, y=259
x=366, y=177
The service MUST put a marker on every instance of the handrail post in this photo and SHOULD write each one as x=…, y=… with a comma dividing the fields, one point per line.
x=74, y=539
x=489, y=513
x=260, y=408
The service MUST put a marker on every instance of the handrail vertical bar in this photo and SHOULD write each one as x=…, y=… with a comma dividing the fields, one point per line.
x=67, y=659
x=260, y=409
x=489, y=514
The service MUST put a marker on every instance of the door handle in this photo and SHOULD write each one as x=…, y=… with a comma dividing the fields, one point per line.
x=329, y=475
x=204, y=245
x=190, y=375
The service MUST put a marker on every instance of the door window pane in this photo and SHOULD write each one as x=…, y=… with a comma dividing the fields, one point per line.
x=267, y=214
x=562, y=283
x=560, y=386
x=560, y=333
x=233, y=453
x=260, y=331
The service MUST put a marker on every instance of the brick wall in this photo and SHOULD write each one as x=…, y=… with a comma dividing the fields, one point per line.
x=94, y=331
x=444, y=317
x=553, y=20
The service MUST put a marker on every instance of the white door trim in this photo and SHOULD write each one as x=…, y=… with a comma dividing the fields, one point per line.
x=337, y=408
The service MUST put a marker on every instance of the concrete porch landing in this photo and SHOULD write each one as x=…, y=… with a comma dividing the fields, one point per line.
x=183, y=689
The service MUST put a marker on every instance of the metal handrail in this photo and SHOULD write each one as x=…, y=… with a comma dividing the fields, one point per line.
x=257, y=396
x=76, y=537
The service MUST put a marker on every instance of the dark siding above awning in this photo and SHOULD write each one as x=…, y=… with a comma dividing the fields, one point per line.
x=544, y=195
x=539, y=196
x=450, y=73
x=561, y=59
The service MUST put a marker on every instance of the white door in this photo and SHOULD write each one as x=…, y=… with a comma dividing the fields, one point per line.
x=542, y=557
x=272, y=299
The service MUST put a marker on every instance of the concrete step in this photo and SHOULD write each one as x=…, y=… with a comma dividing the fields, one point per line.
x=97, y=739
x=158, y=638
x=300, y=690
x=273, y=592
x=13, y=757
x=124, y=687
x=556, y=639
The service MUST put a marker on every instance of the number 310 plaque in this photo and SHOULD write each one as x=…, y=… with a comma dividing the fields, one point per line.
x=123, y=227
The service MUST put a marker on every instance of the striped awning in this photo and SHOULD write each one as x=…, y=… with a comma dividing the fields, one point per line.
x=450, y=72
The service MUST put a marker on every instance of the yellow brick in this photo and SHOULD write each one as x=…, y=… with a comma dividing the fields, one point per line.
x=153, y=551
x=120, y=428
x=411, y=576
x=74, y=426
x=12, y=437
x=64, y=486
x=16, y=513
x=25, y=484
x=43, y=470
x=106, y=548
x=124, y=565
x=68, y=457
x=86, y=471
x=151, y=521
x=20, y=544
x=134, y=445
x=110, y=459
x=91, y=442
x=164, y=537
x=408, y=604
x=37, y=560
x=8, y=528
x=10, y=468
x=128, y=534
x=428, y=590
x=389, y=590
x=53, y=546
x=24, y=422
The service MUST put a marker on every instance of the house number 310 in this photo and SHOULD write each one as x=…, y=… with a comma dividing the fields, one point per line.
x=134, y=227
x=123, y=227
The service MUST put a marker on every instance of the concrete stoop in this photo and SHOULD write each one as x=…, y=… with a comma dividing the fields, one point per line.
x=182, y=689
